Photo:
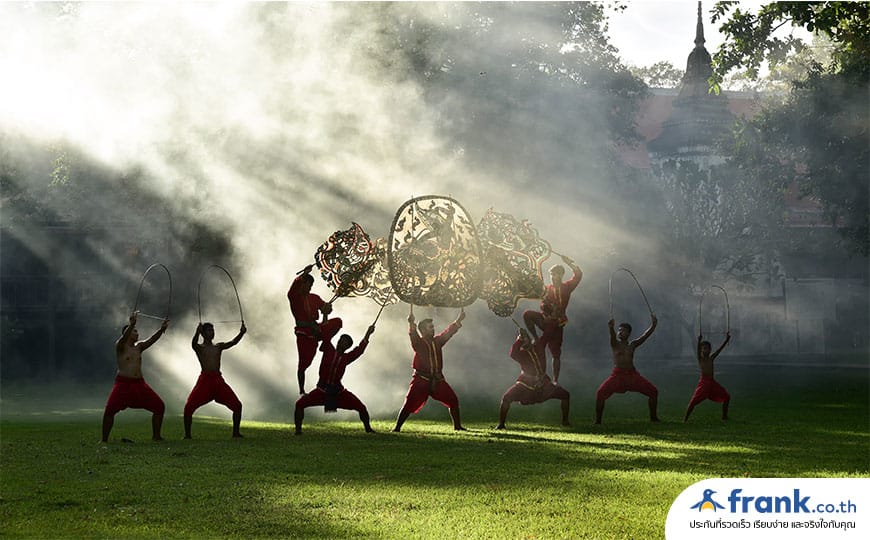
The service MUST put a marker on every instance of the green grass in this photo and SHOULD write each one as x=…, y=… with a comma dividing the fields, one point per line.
x=535, y=480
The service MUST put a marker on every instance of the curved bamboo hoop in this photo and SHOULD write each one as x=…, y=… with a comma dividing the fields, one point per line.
x=727, y=309
x=610, y=290
x=236, y=290
x=139, y=292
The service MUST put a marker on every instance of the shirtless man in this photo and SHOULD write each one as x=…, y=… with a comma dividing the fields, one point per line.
x=533, y=384
x=330, y=392
x=708, y=387
x=428, y=379
x=552, y=319
x=625, y=377
x=130, y=389
x=211, y=385
x=307, y=308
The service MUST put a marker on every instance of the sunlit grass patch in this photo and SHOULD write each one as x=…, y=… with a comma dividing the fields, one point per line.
x=535, y=479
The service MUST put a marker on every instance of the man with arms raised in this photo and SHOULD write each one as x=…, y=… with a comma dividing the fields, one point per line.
x=428, y=379
x=625, y=377
x=130, y=389
x=330, y=392
x=307, y=308
x=552, y=319
x=211, y=384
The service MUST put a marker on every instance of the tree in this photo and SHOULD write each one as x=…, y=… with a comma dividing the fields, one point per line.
x=659, y=75
x=533, y=89
x=819, y=132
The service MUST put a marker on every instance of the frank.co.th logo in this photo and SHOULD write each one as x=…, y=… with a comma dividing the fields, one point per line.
x=707, y=502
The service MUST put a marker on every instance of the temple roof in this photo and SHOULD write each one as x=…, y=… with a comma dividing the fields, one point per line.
x=699, y=115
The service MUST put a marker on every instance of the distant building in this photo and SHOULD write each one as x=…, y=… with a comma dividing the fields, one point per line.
x=801, y=302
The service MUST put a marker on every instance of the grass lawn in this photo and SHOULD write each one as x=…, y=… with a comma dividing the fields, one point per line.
x=536, y=480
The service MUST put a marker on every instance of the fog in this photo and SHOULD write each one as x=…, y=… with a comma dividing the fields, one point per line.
x=266, y=127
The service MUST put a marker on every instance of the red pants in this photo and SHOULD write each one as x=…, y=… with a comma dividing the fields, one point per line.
x=527, y=396
x=345, y=400
x=420, y=389
x=625, y=380
x=708, y=388
x=306, y=344
x=135, y=393
x=211, y=386
x=551, y=330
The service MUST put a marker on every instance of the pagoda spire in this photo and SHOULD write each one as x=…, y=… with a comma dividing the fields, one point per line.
x=699, y=30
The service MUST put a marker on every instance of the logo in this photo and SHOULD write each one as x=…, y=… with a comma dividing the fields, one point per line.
x=707, y=502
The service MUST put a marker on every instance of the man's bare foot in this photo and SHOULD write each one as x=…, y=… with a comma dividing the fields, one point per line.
x=370, y=430
x=397, y=430
x=127, y=440
x=188, y=437
x=654, y=419
x=237, y=435
x=566, y=423
x=500, y=426
x=459, y=428
x=157, y=438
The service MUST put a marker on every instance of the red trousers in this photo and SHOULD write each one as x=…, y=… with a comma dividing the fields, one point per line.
x=708, y=388
x=551, y=330
x=211, y=386
x=539, y=394
x=135, y=393
x=625, y=380
x=306, y=343
x=344, y=400
x=421, y=388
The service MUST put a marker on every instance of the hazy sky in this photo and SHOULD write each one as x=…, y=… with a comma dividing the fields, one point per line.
x=653, y=31
x=649, y=32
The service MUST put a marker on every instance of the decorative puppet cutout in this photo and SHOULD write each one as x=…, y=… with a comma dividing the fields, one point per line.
x=434, y=253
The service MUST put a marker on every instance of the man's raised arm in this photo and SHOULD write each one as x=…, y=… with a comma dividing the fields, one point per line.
x=153, y=339
x=194, y=343
x=643, y=337
x=610, y=324
x=235, y=341
x=727, y=339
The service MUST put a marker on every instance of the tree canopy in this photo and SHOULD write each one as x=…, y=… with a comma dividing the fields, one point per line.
x=818, y=133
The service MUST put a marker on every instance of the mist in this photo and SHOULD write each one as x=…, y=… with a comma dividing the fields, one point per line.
x=253, y=131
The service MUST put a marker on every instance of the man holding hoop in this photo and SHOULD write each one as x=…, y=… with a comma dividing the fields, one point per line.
x=625, y=377
x=307, y=308
x=708, y=387
x=552, y=319
x=211, y=384
x=130, y=389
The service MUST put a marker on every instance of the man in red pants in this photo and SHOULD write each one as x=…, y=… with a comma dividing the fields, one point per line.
x=708, y=387
x=533, y=384
x=306, y=308
x=130, y=389
x=211, y=385
x=552, y=319
x=330, y=392
x=625, y=377
x=428, y=379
